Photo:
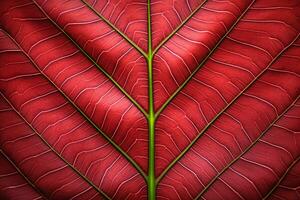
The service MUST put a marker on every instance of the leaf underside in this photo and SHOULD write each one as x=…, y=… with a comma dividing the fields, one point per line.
x=136, y=99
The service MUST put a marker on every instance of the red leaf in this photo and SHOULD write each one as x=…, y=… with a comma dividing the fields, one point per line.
x=149, y=99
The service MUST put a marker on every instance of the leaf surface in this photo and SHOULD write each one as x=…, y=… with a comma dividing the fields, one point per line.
x=149, y=99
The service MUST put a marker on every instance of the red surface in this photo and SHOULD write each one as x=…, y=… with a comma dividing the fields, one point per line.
x=288, y=188
x=125, y=64
x=52, y=118
x=129, y=16
x=13, y=185
x=237, y=62
x=236, y=118
x=181, y=55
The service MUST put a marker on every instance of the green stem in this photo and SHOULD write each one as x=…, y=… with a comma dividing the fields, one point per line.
x=151, y=117
x=151, y=124
x=151, y=127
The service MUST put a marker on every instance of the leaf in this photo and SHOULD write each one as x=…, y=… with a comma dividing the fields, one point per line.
x=149, y=99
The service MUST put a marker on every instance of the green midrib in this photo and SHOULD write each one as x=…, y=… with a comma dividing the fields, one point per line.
x=151, y=116
x=151, y=125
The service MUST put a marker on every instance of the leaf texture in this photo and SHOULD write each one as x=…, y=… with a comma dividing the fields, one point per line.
x=149, y=99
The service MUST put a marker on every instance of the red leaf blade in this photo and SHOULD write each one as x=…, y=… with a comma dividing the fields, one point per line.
x=149, y=99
